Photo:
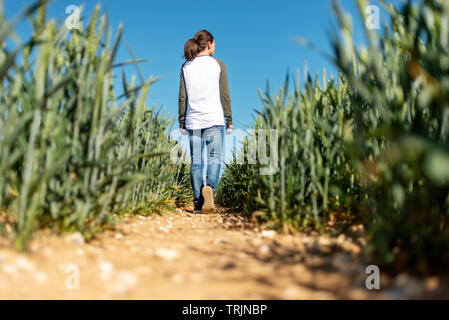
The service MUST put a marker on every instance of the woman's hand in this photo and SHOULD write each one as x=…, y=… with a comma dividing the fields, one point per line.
x=229, y=129
x=183, y=132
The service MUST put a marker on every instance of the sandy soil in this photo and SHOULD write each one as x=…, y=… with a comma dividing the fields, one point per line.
x=180, y=255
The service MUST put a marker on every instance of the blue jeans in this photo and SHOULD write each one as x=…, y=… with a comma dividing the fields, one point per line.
x=213, y=138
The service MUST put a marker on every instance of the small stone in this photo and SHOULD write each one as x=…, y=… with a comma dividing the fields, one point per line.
x=167, y=254
x=24, y=264
x=219, y=240
x=164, y=229
x=265, y=250
x=324, y=241
x=76, y=238
x=269, y=234
x=340, y=239
x=106, y=269
x=225, y=265
x=118, y=236
x=79, y=251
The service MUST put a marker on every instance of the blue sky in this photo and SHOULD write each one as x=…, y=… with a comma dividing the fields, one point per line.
x=253, y=38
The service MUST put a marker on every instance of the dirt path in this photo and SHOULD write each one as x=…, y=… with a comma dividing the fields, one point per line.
x=185, y=256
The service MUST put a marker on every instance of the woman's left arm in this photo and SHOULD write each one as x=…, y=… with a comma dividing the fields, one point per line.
x=182, y=101
x=225, y=97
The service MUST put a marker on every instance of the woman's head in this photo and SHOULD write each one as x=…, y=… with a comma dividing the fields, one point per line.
x=203, y=41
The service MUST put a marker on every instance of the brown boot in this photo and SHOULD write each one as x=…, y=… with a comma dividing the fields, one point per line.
x=208, y=195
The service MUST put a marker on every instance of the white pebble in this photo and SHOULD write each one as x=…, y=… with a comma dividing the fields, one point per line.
x=167, y=254
x=264, y=250
x=269, y=234
x=76, y=238
x=106, y=269
x=24, y=264
x=163, y=229
x=219, y=240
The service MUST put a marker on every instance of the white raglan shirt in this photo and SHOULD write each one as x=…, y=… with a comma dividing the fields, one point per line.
x=204, y=109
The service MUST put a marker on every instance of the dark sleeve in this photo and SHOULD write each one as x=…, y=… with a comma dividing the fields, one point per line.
x=225, y=97
x=182, y=101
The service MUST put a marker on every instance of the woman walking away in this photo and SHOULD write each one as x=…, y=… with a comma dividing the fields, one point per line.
x=204, y=102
